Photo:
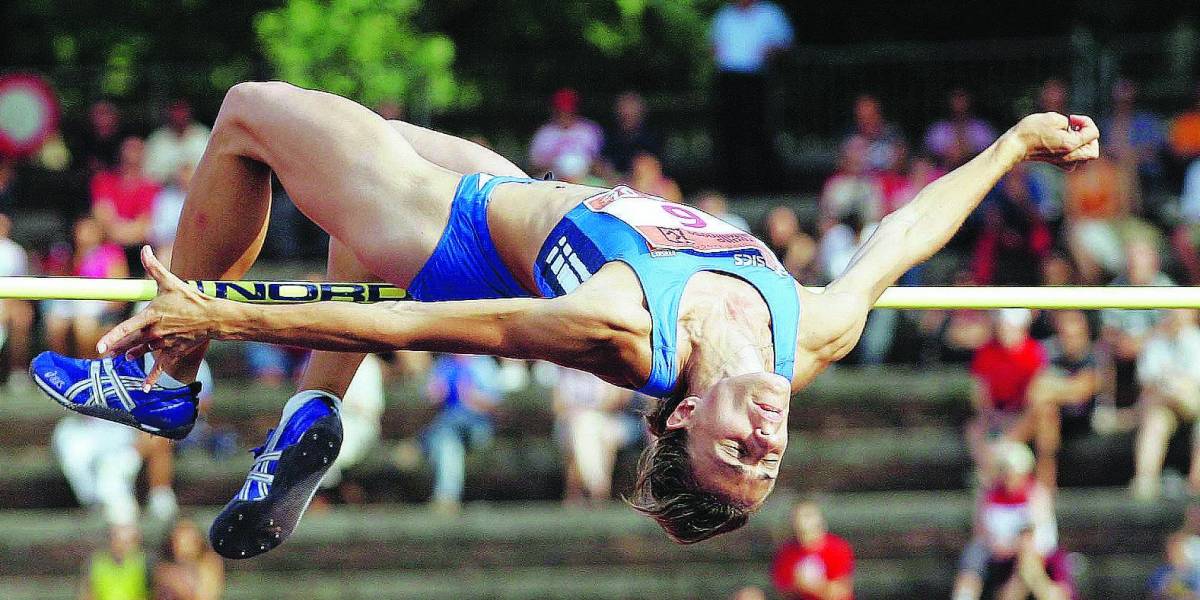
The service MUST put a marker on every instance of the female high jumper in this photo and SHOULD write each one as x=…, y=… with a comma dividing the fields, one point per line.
x=653, y=296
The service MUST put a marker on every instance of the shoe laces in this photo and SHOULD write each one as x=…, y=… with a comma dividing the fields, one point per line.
x=259, y=478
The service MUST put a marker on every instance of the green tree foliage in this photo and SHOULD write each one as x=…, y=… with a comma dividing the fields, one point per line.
x=137, y=52
x=368, y=50
x=648, y=26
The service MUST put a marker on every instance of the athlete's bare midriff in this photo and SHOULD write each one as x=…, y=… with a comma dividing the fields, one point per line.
x=521, y=217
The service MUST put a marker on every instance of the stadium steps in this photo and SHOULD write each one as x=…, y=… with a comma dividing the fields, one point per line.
x=488, y=551
x=839, y=399
x=1110, y=577
x=530, y=467
x=1094, y=522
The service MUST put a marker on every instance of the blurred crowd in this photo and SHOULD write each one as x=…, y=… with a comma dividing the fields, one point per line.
x=1131, y=218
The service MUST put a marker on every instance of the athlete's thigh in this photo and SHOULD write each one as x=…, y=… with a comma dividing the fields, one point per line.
x=350, y=172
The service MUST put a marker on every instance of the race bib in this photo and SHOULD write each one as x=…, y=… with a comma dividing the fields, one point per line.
x=667, y=226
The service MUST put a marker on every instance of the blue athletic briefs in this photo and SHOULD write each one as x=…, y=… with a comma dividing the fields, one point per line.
x=465, y=264
x=663, y=243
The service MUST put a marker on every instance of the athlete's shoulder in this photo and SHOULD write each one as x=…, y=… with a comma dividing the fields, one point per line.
x=831, y=321
x=613, y=305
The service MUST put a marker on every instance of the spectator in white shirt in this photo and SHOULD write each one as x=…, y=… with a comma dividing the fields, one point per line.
x=590, y=429
x=181, y=141
x=168, y=205
x=1168, y=369
x=1189, y=199
x=16, y=316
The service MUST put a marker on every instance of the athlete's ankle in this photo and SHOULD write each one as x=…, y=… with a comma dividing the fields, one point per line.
x=302, y=396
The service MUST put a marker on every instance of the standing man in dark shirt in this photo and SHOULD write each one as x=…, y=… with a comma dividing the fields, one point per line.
x=745, y=35
x=631, y=136
x=99, y=144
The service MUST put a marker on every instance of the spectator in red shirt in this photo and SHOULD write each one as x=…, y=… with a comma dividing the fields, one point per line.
x=123, y=200
x=817, y=565
x=1003, y=368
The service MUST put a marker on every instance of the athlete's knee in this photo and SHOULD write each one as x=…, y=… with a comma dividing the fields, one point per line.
x=246, y=101
x=256, y=93
x=239, y=126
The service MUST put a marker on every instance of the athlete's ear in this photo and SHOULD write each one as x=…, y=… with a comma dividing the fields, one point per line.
x=681, y=417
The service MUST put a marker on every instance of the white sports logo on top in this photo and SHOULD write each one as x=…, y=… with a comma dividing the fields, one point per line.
x=569, y=271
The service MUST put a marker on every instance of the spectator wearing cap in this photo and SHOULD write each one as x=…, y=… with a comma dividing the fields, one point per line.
x=745, y=35
x=1168, y=369
x=567, y=138
x=179, y=142
x=1003, y=369
x=1014, y=550
x=815, y=564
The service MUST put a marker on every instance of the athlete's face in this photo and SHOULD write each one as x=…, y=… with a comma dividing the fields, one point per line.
x=737, y=433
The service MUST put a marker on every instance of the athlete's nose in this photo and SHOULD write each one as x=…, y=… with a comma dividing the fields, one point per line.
x=768, y=434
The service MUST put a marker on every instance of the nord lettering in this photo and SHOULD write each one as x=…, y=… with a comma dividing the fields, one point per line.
x=222, y=289
x=294, y=292
x=351, y=292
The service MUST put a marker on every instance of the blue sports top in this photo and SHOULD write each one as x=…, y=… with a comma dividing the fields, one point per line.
x=665, y=244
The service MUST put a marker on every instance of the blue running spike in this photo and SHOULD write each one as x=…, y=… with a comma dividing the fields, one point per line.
x=286, y=471
x=111, y=389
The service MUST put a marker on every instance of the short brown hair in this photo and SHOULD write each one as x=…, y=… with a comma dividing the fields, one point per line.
x=667, y=491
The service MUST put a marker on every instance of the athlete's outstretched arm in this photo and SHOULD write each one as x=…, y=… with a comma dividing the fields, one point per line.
x=530, y=328
x=571, y=330
x=922, y=227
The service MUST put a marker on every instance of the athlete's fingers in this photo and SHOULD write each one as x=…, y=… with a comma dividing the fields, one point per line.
x=1085, y=126
x=166, y=280
x=137, y=351
x=124, y=334
x=1087, y=151
x=134, y=339
x=154, y=373
x=1057, y=120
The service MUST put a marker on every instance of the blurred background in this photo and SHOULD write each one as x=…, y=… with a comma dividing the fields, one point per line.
x=955, y=454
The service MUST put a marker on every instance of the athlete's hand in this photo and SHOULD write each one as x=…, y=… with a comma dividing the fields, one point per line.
x=1057, y=139
x=176, y=322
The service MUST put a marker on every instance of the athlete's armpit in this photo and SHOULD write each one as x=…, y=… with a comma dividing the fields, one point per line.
x=831, y=323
